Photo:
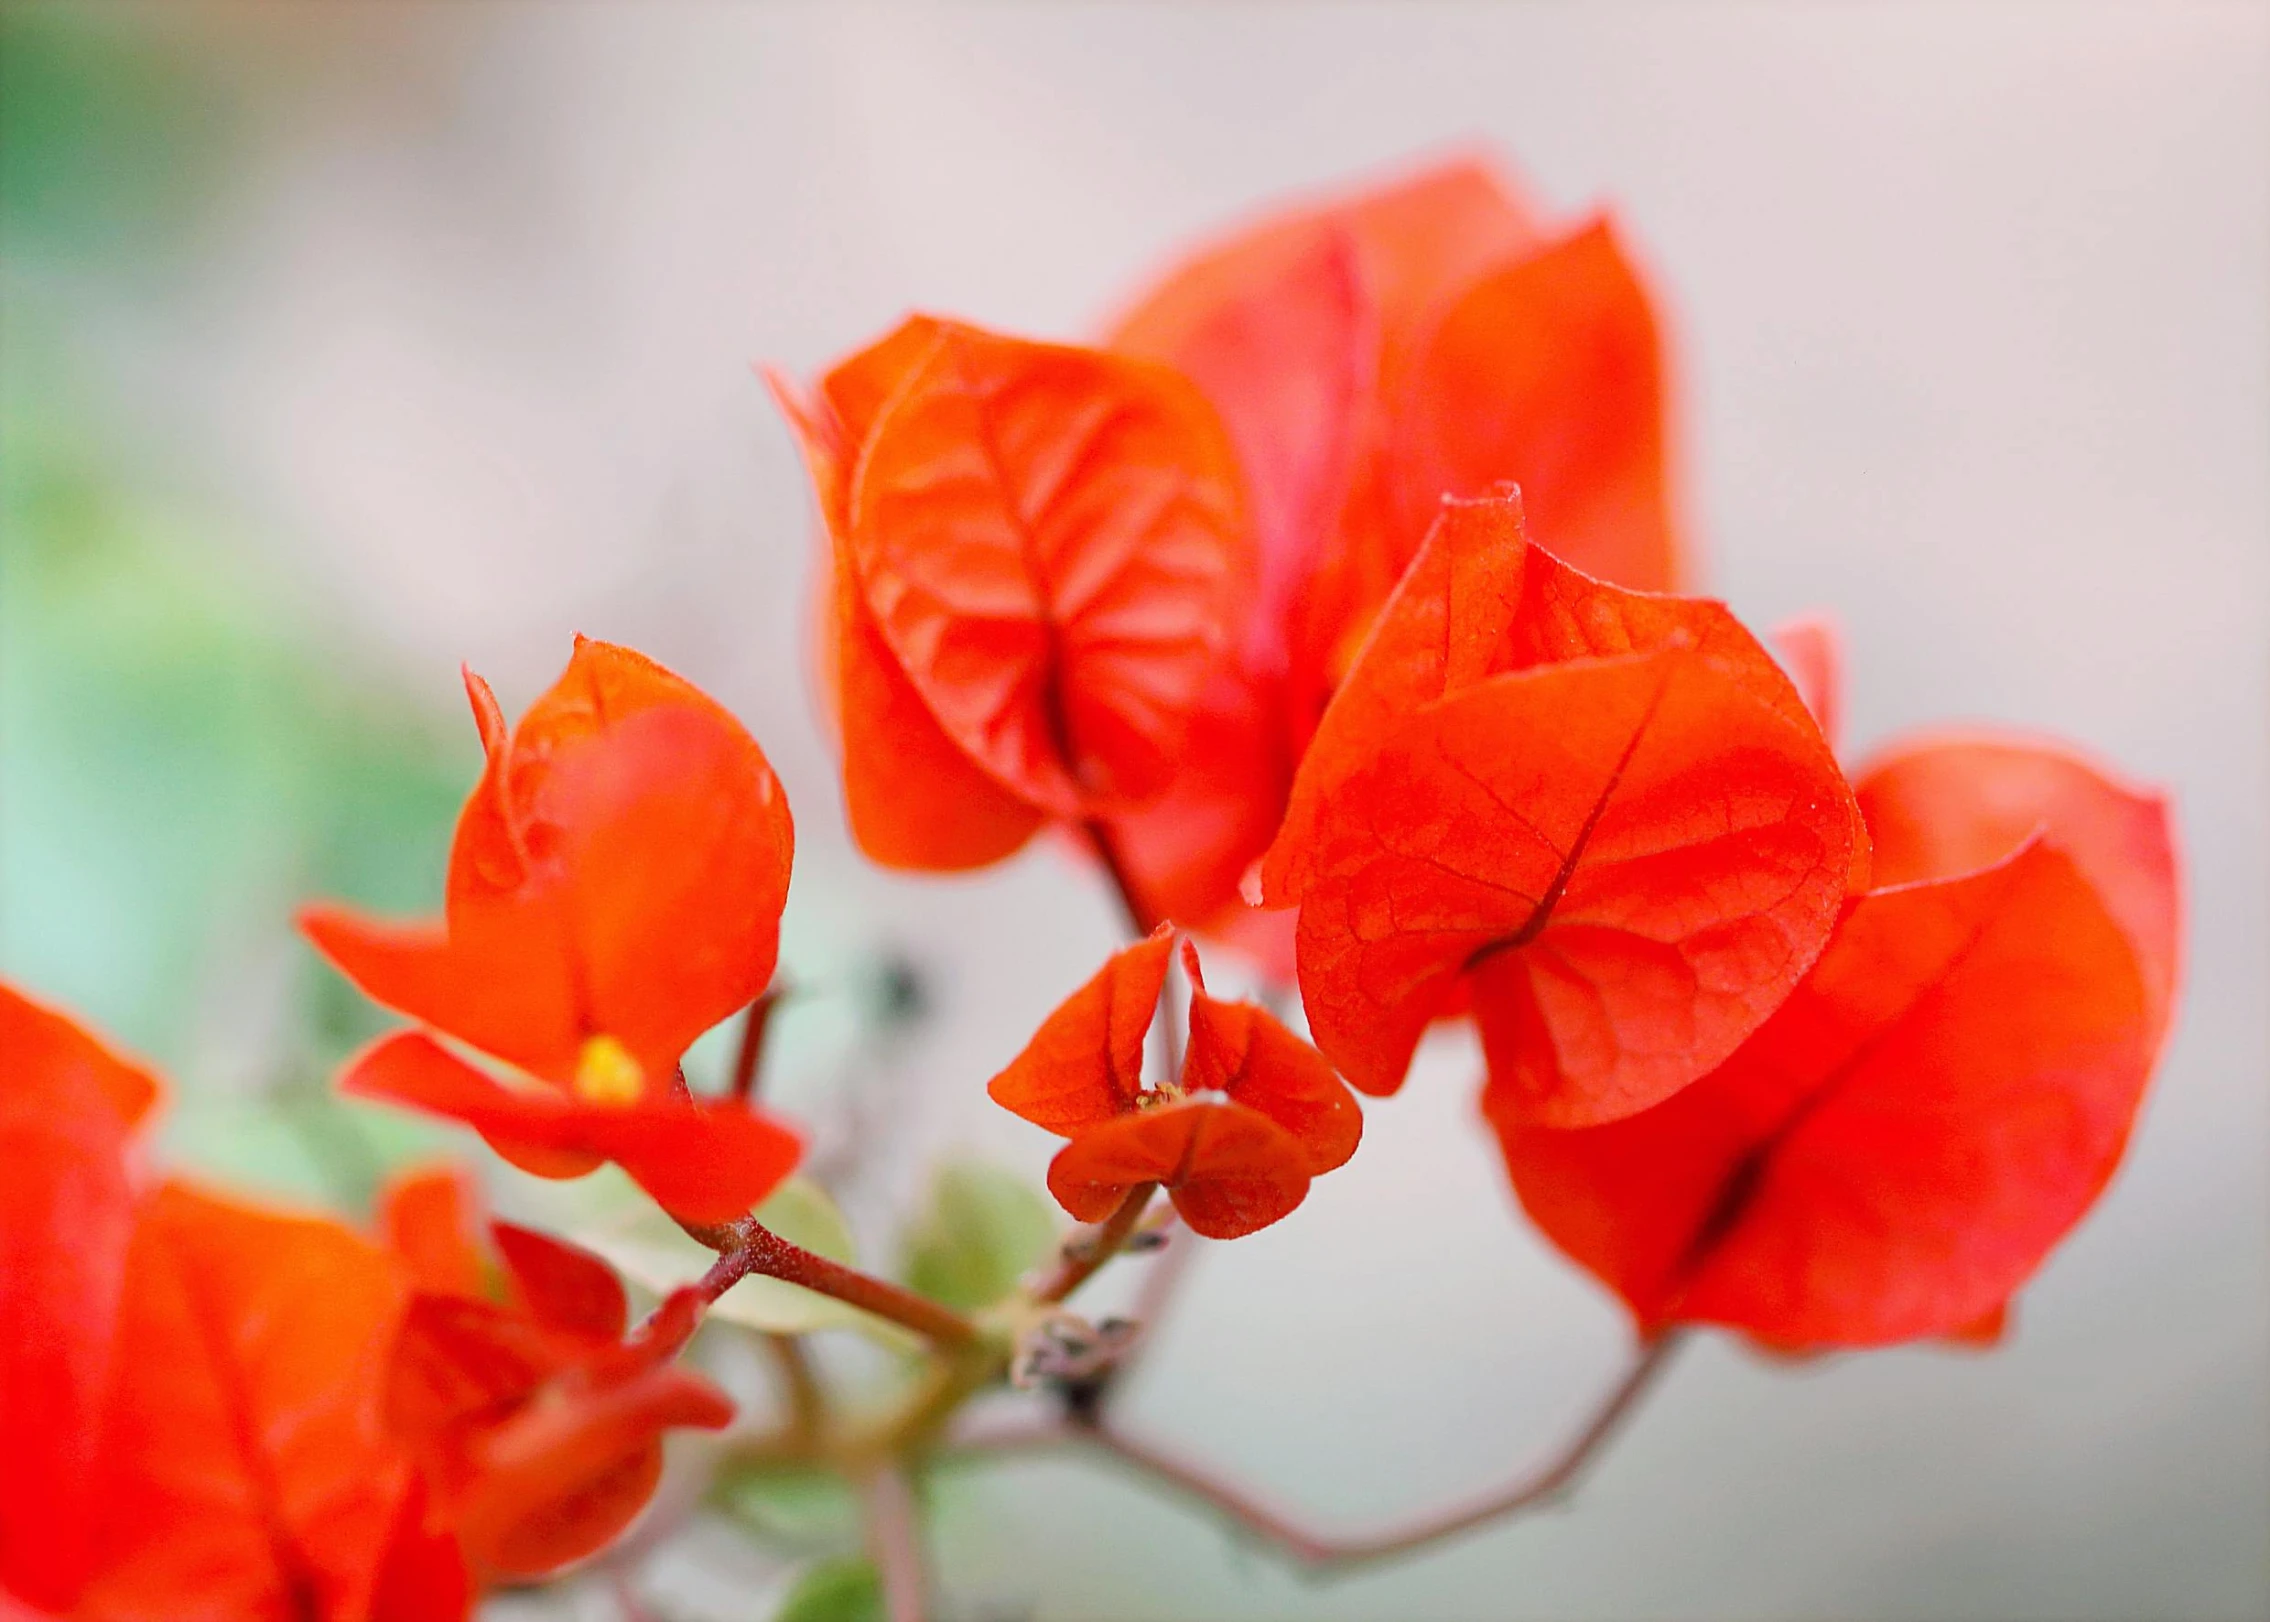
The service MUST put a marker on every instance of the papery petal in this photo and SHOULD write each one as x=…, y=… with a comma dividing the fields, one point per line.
x=915, y=799
x=626, y=809
x=1187, y=852
x=559, y=1480
x=1052, y=542
x=243, y=1470
x=1085, y=1063
x=1241, y=1049
x=68, y=1112
x=1282, y=336
x=1658, y=854
x=1230, y=1170
x=421, y=1574
x=1442, y=630
x=1812, y=650
x=702, y=1161
x=429, y=1217
x=1547, y=372
x=1942, y=806
x=568, y=1290
x=1897, y=1150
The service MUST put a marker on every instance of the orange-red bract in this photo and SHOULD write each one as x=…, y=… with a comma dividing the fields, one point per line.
x=1939, y=1102
x=619, y=872
x=1039, y=552
x=1603, y=819
x=1370, y=354
x=615, y=889
x=703, y=1160
x=1254, y=1116
x=69, y=1108
x=538, y=1426
x=243, y=1471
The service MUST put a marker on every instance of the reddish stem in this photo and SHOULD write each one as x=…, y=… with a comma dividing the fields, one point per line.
x=748, y=1058
x=1085, y=1252
x=1330, y=1553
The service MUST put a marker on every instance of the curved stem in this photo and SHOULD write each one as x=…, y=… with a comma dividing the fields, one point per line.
x=894, y=1543
x=805, y=1397
x=748, y=1056
x=1327, y=1553
x=1087, y=1251
x=748, y=1246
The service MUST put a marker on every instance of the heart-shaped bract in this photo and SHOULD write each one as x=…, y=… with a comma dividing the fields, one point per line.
x=615, y=889
x=1936, y=1105
x=1254, y=1116
x=1039, y=552
x=1601, y=819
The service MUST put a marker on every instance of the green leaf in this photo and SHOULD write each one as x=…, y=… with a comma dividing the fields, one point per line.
x=982, y=1230
x=805, y=1509
x=842, y=1590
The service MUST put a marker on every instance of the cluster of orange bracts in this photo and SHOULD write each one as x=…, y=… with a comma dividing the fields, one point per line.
x=1329, y=603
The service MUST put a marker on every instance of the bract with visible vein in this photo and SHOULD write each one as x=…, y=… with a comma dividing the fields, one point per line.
x=1602, y=818
x=243, y=1468
x=1899, y=1148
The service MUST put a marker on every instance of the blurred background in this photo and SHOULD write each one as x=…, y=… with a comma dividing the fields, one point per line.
x=340, y=343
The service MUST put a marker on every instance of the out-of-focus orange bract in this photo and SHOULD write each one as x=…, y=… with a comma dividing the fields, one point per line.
x=537, y=1426
x=1235, y=1139
x=1603, y=819
x=70, y=1109
x=1939, y=1102
x=1039, y=553
x=244, y=1471
x=615, y=889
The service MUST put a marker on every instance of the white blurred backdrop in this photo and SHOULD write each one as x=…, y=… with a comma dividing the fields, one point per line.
x=1971, y=312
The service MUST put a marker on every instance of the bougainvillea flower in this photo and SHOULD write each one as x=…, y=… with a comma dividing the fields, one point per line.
x=1602, y=819
x=1039, y=553
x=243, y=1468
x=537, y=1424
x=1937, y=1104
x=1368, y=355
x=1254, y=1115
x=69, y=1110
x=1813, y=654
x=615, y=889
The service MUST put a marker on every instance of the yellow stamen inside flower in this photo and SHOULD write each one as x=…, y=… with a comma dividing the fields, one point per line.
x=607, y=1074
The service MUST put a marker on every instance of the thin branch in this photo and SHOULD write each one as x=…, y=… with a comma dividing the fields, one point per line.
x=1329, y=1554
x=894, y=1543
x=748, y=1058
x=1089, y=1249
x=1084, y=1400
x=806, y=1397
x=748, y=1246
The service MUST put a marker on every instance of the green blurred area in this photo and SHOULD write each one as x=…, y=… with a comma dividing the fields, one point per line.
x=181, y=761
